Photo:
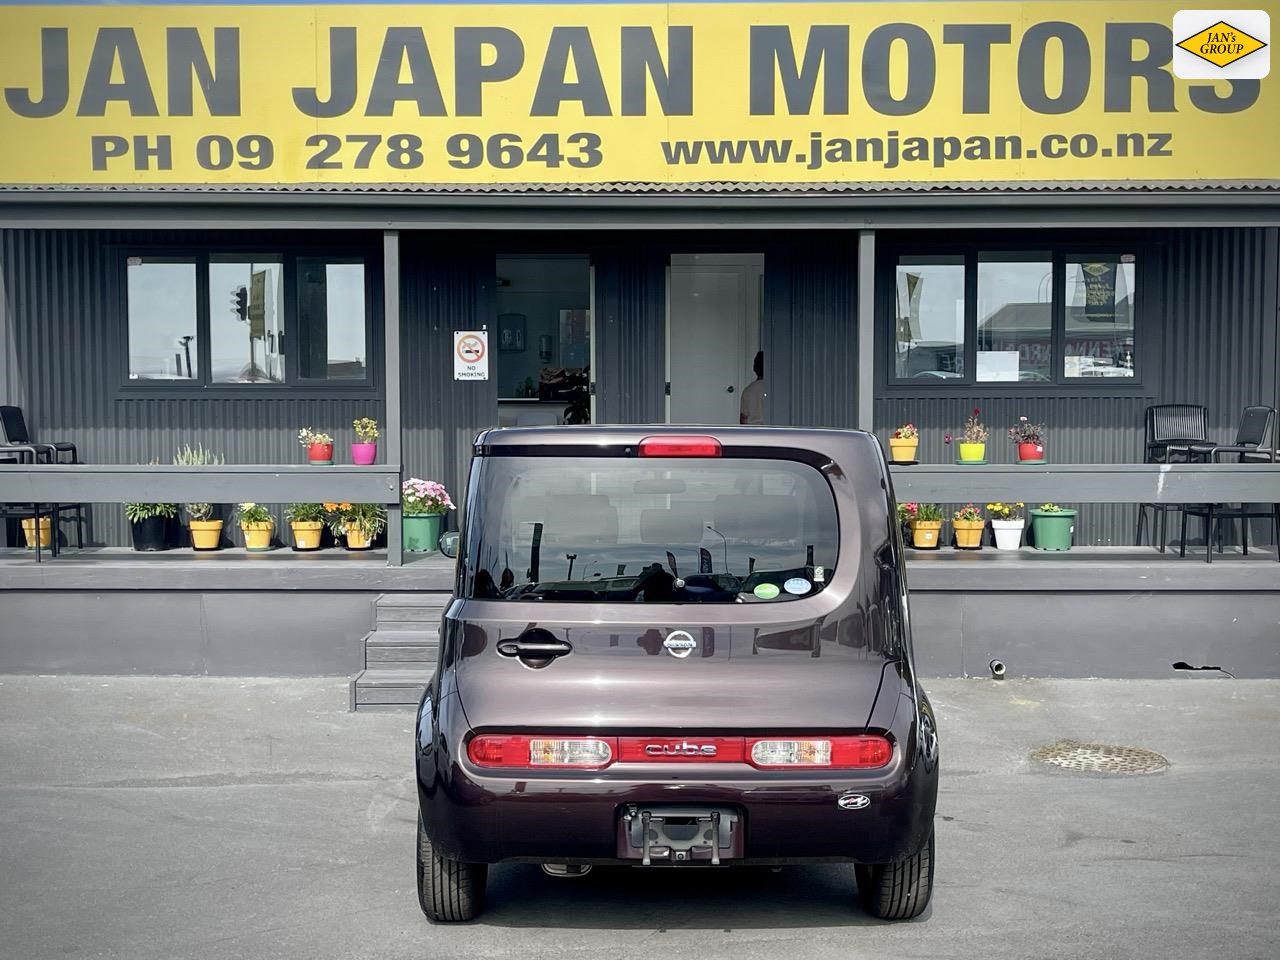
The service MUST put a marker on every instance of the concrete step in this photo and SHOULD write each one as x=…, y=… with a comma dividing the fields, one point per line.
x=409, y=617
x=383, y=687
x=384, y=645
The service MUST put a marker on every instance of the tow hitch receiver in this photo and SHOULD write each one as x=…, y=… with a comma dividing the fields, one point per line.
x=670, y=834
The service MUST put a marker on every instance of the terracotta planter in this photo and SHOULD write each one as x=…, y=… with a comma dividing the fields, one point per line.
x=1031, y=451
x=357, y=538
x=971, y=452
x=925, y=533
x=205, y=534
x=257, y=536
x=320, y=453
x=363, y=454
x=1008, y=533
x=46, y=532
x=903, y=450
x=969, y=533
x=307, y=533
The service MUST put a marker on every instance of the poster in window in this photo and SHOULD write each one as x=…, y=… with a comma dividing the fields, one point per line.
x=1099, y=291
x=574, y=349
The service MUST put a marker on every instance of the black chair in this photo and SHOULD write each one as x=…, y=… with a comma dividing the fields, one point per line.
x=22, y=453
x=14, y=436
x=1255, y=425
x=1168, y=424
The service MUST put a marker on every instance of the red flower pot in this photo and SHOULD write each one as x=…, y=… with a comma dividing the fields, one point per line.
x=1031, y=451
x=320, y=453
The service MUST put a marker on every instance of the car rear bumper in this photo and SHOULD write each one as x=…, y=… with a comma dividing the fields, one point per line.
x=572, y=817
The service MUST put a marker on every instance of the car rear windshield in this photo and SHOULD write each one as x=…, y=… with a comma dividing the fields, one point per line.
x=649, y=531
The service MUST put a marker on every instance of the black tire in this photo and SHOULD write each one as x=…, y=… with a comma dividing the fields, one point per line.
x=449, y=891
x=897, y=891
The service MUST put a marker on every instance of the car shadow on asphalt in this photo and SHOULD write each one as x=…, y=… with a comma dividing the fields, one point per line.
x=695, y=898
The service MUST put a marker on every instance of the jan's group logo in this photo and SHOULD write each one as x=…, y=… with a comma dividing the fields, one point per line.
x=1221, y=44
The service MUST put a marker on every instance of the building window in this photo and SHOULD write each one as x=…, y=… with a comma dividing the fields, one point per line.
x=542, y=344
x=332, y=333
x=268, y=319
x=1027, y=317
x=162, y=318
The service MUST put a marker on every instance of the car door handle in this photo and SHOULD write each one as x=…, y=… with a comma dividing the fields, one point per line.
x=534, y=648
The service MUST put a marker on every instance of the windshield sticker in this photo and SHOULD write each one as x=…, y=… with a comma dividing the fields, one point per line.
x=819, y=574
x=767, y=591
x=798, y=586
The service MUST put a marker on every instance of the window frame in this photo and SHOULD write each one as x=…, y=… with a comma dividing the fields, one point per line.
x=295, y=386
x=1145, y=291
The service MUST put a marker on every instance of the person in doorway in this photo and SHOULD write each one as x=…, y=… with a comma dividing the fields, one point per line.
x=752, y=408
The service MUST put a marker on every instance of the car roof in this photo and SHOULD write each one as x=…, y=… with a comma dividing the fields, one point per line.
x=613, y=435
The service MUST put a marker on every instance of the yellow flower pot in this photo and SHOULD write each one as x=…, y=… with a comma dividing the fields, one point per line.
x=903, y=449
x=357, y=539
x=968, y=533
x=46, y=532
x=257, y=536
x=306, y=534
x=970, y=452
x=924, y=533
x=205, y=534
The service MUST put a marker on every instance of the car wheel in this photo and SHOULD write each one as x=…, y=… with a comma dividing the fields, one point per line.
x=449, y=891
x=897, y=891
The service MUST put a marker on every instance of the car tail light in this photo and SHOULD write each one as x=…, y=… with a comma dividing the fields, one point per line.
x=860, y=752
x=518, y=750
x=679, y=447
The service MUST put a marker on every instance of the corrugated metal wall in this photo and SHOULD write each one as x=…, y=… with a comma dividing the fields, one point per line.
x=443, y=290
x=62, y=292
x=1216, y=330
x=810, y=336
x=630, y=336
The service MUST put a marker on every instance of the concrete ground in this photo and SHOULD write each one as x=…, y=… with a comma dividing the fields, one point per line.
x=215, y=818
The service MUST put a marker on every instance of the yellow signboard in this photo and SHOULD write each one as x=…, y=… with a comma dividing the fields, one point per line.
x=587, y=93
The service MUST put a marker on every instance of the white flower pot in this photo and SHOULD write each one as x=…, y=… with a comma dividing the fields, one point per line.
x=1008, y=533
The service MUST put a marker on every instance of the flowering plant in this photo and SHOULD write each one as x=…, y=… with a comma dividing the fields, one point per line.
x=974, y=429
x=366, y=429
x=922, y=511
x=967, y=512
x=907, y=512
x=369, y=517
x=1005, y=511
x=907, y=431
x=421, y=497
x=308, y=437
x=254, y=513
x=305, y=512
x=1024, y=431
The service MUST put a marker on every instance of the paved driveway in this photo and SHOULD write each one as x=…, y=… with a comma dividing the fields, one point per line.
x=215, y=818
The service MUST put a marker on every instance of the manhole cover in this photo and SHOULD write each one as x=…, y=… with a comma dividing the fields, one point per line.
x=1099, y=758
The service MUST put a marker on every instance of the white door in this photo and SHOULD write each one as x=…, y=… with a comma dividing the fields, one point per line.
x=713, y=333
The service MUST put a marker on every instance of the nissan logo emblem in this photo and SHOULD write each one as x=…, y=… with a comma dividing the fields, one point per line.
x=680, y=644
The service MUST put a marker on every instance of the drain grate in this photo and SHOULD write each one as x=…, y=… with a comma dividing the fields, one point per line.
x=1099, y=758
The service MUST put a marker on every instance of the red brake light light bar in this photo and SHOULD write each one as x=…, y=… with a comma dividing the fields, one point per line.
x=679, y=447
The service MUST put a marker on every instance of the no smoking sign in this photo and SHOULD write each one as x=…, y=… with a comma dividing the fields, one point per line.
x=471, y=355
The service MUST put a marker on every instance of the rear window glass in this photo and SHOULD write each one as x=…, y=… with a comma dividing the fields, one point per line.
x=649, y=531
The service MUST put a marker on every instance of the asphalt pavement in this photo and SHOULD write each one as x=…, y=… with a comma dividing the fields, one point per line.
x=216, y=818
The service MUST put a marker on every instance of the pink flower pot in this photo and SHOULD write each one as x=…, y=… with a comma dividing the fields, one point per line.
x=364, y=454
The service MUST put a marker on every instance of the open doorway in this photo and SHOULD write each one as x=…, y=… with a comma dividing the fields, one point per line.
x=714, y=320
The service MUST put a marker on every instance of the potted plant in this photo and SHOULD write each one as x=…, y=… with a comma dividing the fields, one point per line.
x=319, y=446
x=360, y=523
x=1006, y=524
x=903, y=443
x=925, y=521
x=973, y=439
x=425, y=503
x=1029, y=439
x=307, y=522
x=257, y=523
x=1052, y=527
x=968, y=523
x=365, y=450
x=205, y=528
x=46, y=531
x=149, y=523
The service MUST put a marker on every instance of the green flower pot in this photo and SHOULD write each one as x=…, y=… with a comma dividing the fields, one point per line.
x=422, y=532
x=1052, y=531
